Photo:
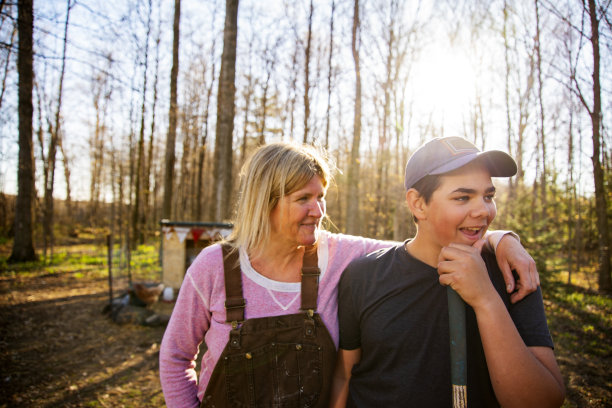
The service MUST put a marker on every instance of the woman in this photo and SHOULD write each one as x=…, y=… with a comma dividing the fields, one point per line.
x=265, y=301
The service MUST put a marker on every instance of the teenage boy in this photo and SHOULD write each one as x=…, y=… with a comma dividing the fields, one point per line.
x=393, y=310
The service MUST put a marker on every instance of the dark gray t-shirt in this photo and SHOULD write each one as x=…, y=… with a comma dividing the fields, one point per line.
x=393, y=307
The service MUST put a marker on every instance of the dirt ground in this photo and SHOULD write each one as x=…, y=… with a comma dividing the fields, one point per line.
x=57, y=349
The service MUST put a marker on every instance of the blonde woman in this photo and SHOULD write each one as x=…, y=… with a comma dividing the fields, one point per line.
x=265, y=301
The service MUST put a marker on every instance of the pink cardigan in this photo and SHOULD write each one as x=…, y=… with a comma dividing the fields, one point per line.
x=199, y=313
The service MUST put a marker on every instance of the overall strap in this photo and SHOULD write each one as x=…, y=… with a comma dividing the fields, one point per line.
x=234, y=301
x=310, y=280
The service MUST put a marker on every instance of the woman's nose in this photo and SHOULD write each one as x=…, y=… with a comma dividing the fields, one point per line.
x=317, y=209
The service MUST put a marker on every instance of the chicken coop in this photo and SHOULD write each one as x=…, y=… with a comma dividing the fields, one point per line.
x=181, y=242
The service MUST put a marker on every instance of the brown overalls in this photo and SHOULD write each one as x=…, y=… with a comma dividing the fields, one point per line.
x=282, y=361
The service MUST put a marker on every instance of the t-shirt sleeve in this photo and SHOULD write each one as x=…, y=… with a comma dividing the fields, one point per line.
x=527, y=314
x=530, y=320
x=348, y=312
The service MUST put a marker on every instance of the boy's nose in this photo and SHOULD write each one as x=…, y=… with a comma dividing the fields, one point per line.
x=481, y=209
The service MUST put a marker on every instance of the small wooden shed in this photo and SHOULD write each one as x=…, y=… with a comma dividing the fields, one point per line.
x=181, y=242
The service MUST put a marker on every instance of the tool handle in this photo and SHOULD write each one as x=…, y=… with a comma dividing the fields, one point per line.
x=458, y=353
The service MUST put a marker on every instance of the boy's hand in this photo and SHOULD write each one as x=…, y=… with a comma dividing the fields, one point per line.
x=512, y=256
x=462, y=267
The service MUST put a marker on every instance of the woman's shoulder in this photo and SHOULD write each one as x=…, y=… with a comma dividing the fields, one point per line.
x=356, y=243
x=209, y=260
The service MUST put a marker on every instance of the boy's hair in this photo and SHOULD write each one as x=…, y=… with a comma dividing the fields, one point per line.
x=272, y=172
x=426, y=187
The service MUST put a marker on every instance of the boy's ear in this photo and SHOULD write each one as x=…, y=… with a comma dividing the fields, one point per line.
x=416, y=204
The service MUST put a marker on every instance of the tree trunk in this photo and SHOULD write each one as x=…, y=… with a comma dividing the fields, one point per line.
x=307, y=75
x=55, y=134
x=23, y=248
x=66, y=164
x=171, y=139
x=225, y=115
x=330, y=72
x=148, y=191
x=541, y=130
x=352, y=200
x=603, y=237
x=137, y=227
x=511, y=182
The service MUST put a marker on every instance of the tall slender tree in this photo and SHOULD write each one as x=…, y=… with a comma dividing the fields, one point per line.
x=352, y=197
x=307, y=55
x=171, y=138
x=595, y=113
x=330, y=72
x=23, y=247
x=137, y=233
x=225, y=115
x=55, y=133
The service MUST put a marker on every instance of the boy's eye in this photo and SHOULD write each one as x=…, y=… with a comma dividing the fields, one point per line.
x=490, y=197
x=462, y=198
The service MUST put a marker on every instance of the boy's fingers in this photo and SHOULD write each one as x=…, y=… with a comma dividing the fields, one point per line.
x=479, y=244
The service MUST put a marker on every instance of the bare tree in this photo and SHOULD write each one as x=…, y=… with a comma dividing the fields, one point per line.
x=225, y=115
x=23, y=248
x=509, y=130
x=171, y=138
x=595, y=113
x=202, y=148
x=352, y=209
x=541, y=118
x=101, y=91
x=66, y=164
x=307, y=55
x=330, y=72
x=269, y=60
x=137, y=232
x=148, y=214
x=55, y=134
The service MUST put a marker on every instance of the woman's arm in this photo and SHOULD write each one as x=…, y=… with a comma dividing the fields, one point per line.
x=188, y=324
x=509, y=252
x=511, y=256
x=342, y=375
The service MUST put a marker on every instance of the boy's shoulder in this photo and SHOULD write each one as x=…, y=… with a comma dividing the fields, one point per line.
x=372, y=262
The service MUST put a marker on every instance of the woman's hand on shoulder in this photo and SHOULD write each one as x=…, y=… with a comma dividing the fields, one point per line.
x=512, y=256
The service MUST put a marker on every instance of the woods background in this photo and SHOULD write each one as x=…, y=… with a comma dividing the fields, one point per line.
x=116, y=114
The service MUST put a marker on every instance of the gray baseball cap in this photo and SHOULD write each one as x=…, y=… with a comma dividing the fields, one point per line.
x=444, y=154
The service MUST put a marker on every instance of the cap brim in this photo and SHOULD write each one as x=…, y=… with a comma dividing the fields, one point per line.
x=500, y=164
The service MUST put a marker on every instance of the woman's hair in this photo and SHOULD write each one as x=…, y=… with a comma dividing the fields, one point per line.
x=273, y=171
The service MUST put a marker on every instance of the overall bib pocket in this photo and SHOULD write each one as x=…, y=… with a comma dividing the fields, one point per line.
x=290, y=372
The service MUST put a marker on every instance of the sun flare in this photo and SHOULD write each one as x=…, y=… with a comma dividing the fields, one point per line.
x=443, y=85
